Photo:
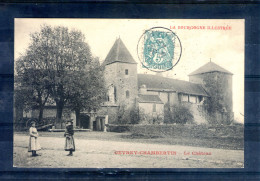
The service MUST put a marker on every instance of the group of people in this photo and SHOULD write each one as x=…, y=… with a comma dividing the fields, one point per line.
x=34, y=144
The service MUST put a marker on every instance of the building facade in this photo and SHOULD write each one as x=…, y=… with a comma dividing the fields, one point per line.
x=150, y=93
x=128, y=90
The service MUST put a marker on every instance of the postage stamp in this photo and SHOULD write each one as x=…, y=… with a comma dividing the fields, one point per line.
x=159, y=49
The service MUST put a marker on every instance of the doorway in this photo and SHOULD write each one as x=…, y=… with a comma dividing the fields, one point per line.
x=84, y=121
x=99, y=124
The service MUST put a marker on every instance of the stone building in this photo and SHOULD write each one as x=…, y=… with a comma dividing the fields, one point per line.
x=149, y=93
x=213, y=70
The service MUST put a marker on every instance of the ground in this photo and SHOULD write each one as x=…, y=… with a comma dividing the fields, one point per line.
x=101, y=150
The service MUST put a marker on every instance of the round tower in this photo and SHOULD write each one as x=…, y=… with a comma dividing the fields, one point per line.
x=212, y=70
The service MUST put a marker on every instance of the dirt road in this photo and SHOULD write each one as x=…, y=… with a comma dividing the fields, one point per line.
x=117, y=154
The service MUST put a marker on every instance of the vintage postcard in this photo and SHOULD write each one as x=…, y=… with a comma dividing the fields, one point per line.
x=129, y=93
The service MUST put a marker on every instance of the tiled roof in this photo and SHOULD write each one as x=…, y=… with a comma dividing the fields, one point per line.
x=143, y=98
x=210, y=67
x=159, y=83
x=119, y=53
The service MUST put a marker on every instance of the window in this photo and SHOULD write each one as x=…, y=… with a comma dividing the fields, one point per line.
x=115, y=94
x=185, y=98
x=154, y=107
x=200, y=98
x=110, y=94
x=126, y=71
x=192, y=99
x=179, y=97
x=127, y=94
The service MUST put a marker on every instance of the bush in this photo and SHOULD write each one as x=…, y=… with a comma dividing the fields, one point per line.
x=178, y=114
x=187, y=131
x=119, y=128
x=130, y=116
x=123, y=116
x=135, y=115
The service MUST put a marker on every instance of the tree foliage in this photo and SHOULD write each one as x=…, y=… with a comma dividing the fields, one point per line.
x=58, y=64
x=215, y=85
x=135, y=115
x=178, y=114
x=31, y=86
x=123, y=114
x=89, y=90
x=128, y=115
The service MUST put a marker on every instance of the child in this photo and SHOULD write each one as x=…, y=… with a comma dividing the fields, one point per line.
x=69, y=142
x=34, y=144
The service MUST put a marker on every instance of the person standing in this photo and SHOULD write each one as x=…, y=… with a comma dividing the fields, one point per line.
x=34, y=144
x=69, y=142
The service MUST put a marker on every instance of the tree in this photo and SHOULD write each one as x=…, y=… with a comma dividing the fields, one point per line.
x=89, y=91
x=61, y=57
x=123, y=114
x=31, y=85
x=215, y=86
x=68, y=54
x=179, y=114
x=135, y=115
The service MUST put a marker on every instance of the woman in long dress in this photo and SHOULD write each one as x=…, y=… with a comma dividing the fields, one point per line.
x=69, y=142
x=34, y=144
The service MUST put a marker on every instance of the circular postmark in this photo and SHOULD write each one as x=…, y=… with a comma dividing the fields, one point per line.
x=159, y=49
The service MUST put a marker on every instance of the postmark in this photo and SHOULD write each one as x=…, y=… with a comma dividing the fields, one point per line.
x=159, y=49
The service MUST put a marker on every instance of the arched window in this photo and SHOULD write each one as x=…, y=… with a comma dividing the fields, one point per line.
x=111, y=94
x=127, y=94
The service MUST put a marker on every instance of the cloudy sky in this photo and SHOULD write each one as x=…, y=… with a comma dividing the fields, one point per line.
x=223, y=47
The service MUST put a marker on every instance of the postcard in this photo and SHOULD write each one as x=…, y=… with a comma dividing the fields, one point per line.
x=129, y=93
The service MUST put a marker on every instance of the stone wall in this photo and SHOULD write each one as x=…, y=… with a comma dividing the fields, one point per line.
x=127, y=83
x=199, y=114
x=222, y=116
x=164, y=96
x=111, y=111
x=148, y=108
x=116, y=76
x=148, y=115
x=51, y=112
x=228, y=95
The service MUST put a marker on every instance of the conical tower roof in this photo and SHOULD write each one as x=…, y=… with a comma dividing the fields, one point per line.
x=210, y=67
x=119, y=53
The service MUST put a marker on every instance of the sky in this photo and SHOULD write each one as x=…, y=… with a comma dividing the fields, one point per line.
x=199, y=46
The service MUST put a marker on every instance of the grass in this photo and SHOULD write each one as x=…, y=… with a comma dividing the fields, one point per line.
x=232, y=143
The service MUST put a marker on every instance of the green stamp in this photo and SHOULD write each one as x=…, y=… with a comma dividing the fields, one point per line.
x=159, y=49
